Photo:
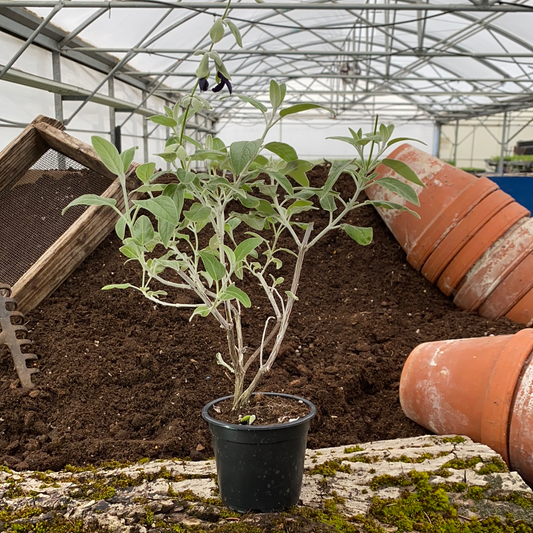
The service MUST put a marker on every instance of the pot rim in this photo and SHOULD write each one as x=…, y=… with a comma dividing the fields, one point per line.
x=246, y=427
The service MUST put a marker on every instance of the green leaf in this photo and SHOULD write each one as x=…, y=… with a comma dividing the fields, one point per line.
x=250, y=100
x=165, y=230
x=254, y=222
x=401, y=168
x=197, y=213
x=162, y=207
x=358, y=234
x=201, y=310
x=213, y=266
x=327, y=202
x=337, y=168
x=193, y=142
x=176, y=193
x=282, y=180
x=399, y=187
x=248, y=201
x=275, y=94
x=127, y=157
x=242, y=153
x=403, y=139
x=246, y=247
x=143, y=231
x=297, y=171
x=282, y=150
x=265, y=208
x=145, y=172
x=217, y=31
x=120, y=228
x=130, y=250
x=299, y=206
x=163, y=120
x=90, y=199
x=298, y=108
x=236, y=33
x=108, y=154
x=392, y=205
x=203, y=68
x=118, y=286
x=185, y=177
x=233, y=292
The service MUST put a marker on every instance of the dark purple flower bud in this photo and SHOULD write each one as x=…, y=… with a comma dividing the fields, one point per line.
x=223, y=82
x=203, y=83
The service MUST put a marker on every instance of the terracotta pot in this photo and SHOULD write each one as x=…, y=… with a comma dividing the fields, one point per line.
x=476, y=387
x=438, y=228
x=465, y=259
x=444, y=183
x=522, y=312
x=495, y=265
x=510, y=291
x=459, y=236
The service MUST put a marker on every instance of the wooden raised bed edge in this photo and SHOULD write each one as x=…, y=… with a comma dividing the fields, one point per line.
x=90, y=229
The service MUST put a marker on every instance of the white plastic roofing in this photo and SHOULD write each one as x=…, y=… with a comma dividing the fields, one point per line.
x=430, y=61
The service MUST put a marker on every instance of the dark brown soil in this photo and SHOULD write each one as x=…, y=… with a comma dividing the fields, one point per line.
x=122, y=379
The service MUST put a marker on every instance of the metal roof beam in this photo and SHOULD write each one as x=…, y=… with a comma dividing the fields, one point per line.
x=309, y=6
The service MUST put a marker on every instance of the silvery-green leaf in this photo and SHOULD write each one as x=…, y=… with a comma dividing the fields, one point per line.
x=249, y=100
x=120, y=228
x=360, y=235
x=399, y=187
x=109, y=155
x=217, y=31
x=162, y=207
x=143, y=231
x=242, y=153
x=127, y=157
x=246, y=247
x=197, y=213
x=145, y=172
x=283, y=150
x=201, y=310
x=90, y=199
x=275, y=94
x=118, y=286
x=163, y=120
x=234, y=292
x=298, y=108
x=392, y=205
x=404, y=170
x=236, y=33
x=213, y=266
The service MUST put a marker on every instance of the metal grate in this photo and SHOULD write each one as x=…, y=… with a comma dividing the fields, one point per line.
x=30, y=211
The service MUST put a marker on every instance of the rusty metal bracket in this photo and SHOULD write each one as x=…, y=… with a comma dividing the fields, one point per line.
x=11, y=324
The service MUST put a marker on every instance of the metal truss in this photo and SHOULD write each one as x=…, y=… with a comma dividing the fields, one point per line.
x=428, y=60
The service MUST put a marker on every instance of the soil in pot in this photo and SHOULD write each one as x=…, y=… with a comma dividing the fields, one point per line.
x=121, y=379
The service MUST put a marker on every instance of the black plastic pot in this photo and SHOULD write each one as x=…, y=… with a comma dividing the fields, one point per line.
x=260, y=468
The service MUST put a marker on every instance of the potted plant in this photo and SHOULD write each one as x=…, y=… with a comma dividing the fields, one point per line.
x=184, y=236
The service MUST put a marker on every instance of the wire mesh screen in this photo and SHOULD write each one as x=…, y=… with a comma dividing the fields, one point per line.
x=30, y=211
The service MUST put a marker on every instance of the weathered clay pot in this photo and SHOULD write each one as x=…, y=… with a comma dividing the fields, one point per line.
x=498, y=262
x=445, y=184
x=469, y=254
x=465, y=230
x=481, y=387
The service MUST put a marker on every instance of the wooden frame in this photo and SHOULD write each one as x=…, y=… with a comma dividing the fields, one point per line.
x=85, y=234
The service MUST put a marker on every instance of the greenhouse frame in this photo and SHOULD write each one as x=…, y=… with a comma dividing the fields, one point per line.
x=456, y=75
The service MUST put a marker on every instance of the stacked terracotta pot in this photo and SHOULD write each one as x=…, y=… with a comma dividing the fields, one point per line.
x=480, y=387
x=474, y=241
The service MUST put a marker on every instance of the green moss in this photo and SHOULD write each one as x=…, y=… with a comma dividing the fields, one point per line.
x=144, y=460
x=495, y=465
x=4, y=468
x=524, y=501
x=330, y=468
x=405, y=459
x=427, y=509
x=475, y=493
x=455, y=440
x=362, y=459
x=352, y=449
